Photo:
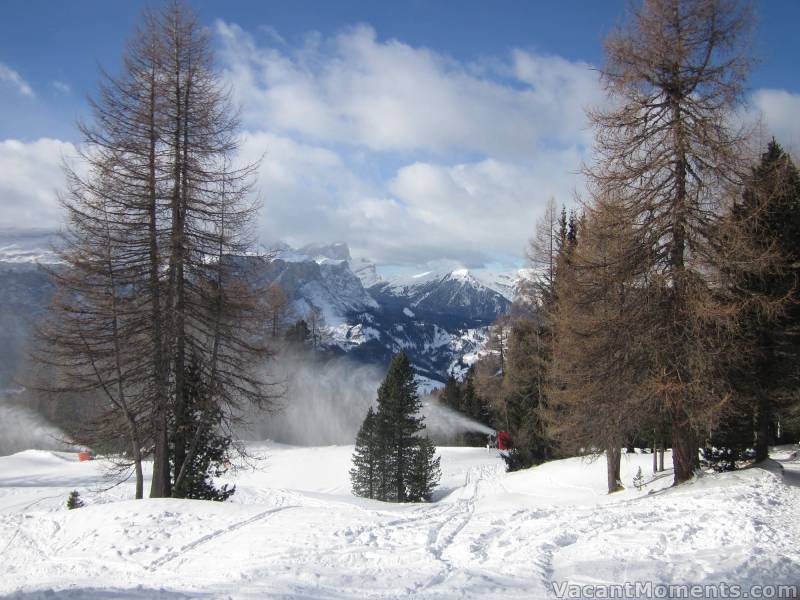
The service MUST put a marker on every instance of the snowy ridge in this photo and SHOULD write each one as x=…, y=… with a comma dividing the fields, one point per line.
x=367, y=317
x=27, y=247
x=505, y=283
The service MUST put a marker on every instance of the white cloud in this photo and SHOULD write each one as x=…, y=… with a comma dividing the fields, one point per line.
x=779, y=110
x=426, y=211
x=387, y=96
x=9, y=75
x=407, y=154
x=30, y=175
x=61, y=87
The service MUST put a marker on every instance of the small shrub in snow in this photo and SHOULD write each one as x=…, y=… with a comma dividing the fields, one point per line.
x=638, y=480
x=74, y=500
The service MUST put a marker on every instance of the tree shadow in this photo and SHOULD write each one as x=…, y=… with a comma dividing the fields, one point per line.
x=788, y=468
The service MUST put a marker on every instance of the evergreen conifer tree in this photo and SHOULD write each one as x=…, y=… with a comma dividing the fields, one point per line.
x=391, y=461
x=299, y=333
x=210, y=458
x=74, y=501
x=769, y=214
x=398, y=408
x=425, y=472
x=451, y=395
x=365, y=474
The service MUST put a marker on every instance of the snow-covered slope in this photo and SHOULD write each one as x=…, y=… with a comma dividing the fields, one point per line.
x=293, y=530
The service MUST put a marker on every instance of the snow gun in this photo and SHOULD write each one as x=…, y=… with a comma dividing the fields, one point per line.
x=500, y=440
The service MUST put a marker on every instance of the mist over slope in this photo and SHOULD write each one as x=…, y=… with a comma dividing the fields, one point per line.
x=438, y=319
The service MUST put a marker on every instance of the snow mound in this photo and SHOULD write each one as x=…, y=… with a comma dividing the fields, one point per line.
x=294, y=530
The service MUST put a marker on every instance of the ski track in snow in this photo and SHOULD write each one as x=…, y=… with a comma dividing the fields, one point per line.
x=293, y=530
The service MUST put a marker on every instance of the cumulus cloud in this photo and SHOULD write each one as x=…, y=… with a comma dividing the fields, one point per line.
x=423, y=211
x=387, y=96
x=30, y=175
x=407, y=154
x=10, y=76
x=779, y=110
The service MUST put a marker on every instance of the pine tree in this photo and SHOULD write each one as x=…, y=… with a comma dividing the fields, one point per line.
x=299, y=334
x=386, y=463
x=596, y=397
x=425, y=472
x=398, y=408
x=202, y=423
x=731, y=441
x=278, y=309
x=156, y=213
x=74, y=500
x=665, y=149
x=638, y=479
x=451, y=394
x=365, y=474
x=769, y=214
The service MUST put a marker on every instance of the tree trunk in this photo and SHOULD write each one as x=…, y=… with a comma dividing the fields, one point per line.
x=655, y=457
x=160, y=485
x=684, y=447
x=179, y=203
x=763, y=422
x=661, y=456
x=137, y=461
x=613, y=459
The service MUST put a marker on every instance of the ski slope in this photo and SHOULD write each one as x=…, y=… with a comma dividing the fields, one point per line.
x=293, y=530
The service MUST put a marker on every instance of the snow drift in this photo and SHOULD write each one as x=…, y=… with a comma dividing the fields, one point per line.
x=294, y=530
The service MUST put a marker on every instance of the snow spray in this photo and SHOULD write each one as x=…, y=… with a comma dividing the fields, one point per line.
x=22, y=429
x=443, y=421
x=325, y=403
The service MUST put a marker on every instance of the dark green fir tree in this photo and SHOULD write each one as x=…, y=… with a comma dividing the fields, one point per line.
x=399, y=422
x=365, y=474
x=390, y=470
x=208, y=451
x=425, y=472
x=769, y=213
x=74, y=500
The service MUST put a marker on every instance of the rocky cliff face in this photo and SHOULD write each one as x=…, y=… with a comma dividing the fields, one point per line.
x=439, y=319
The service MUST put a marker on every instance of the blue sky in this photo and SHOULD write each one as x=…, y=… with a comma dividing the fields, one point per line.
x=415, y=131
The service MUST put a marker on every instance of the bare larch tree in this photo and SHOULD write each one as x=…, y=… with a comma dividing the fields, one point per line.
x=161, y=215
x=666, y=149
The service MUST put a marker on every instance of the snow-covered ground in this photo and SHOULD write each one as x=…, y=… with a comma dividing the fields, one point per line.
x=293, y=530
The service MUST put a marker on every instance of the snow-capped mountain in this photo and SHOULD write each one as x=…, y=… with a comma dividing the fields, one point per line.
x=438, y=318
x=319, y=276
x=456, y=298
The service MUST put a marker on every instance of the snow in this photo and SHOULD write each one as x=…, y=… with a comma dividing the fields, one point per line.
x=470, y=346
x=426, y=385
x=408, y=312
x=349, y=336
x=293, y=530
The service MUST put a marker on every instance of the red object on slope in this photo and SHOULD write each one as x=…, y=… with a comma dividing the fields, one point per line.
x=503, y=440
x=84, y=456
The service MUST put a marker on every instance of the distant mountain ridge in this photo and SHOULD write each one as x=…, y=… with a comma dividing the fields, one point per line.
x=439, y=318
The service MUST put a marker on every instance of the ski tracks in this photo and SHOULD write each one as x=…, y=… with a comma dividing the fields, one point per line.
x=205, y=539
